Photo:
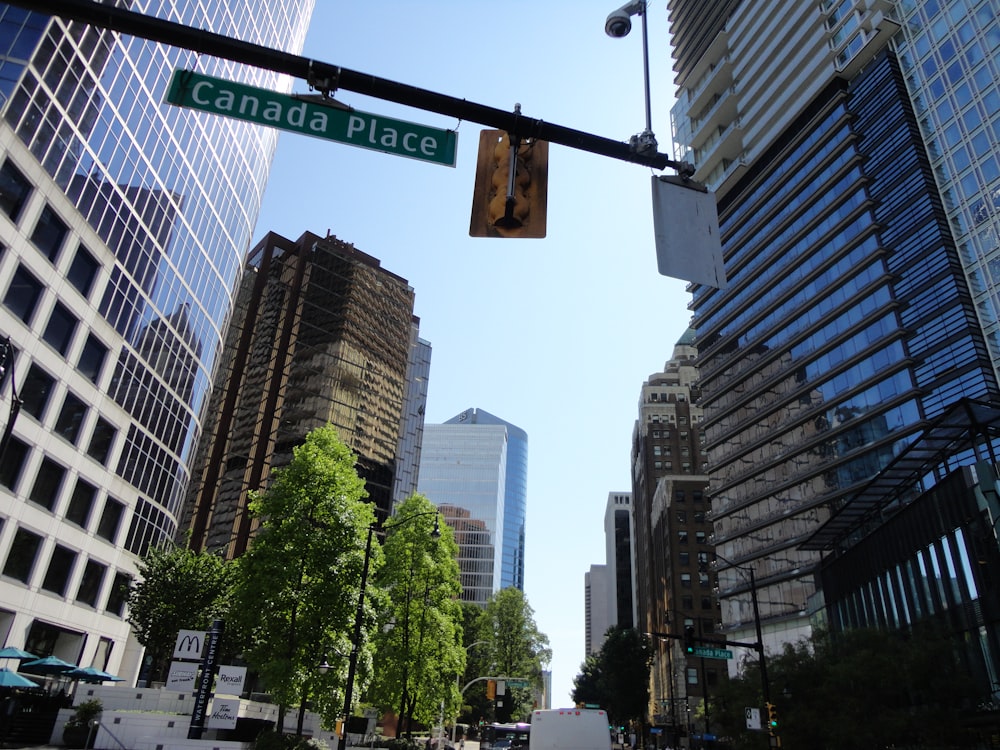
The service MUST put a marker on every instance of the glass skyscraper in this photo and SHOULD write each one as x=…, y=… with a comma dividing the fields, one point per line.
x=474, y=467
x=848, y=146
x=124, y=224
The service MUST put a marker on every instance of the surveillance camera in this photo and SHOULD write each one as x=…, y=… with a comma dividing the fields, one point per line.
x=619, y=24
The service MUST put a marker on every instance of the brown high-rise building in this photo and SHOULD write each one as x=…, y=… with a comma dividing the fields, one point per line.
x=321, y=334
x=675, y=580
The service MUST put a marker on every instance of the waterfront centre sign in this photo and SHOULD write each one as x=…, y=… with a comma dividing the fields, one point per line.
x=276, y=110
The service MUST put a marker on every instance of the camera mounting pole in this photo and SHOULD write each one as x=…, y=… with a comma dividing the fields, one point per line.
x=303, y=68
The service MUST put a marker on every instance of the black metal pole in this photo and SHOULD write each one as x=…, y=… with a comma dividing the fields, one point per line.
x=328, y=77
x=352, y=667
x=765, y=686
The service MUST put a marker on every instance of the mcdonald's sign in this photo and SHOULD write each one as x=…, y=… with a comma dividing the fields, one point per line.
x=190, y=644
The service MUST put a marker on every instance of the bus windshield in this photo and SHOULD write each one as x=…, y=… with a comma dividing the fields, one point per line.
x=504, y=736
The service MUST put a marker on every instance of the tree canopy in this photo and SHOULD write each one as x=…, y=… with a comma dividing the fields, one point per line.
x=298, y=585
x=617, y=677
x=419, y=644
x=860, y=689
x=177, y=589
x=515, y=648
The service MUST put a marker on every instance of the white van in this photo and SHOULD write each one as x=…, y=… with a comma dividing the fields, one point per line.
x=570, y=729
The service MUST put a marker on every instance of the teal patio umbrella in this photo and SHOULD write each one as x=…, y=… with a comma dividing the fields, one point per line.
x=92, y=674
x=12, y=652
x=50, y=665
x=9, y=679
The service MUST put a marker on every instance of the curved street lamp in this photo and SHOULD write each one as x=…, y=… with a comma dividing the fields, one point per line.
x=759, y=645
x=352, y=668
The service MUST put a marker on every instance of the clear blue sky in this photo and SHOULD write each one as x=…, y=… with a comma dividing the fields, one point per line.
x=554, y=335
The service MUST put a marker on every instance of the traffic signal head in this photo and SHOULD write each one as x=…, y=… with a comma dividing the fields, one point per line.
x=689, y=639
x=511, y=191
x=491, y=689
x=772, y=718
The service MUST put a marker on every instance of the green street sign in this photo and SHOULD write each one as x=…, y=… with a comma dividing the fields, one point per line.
x=712, y=653
x=276, y=110
x=517, y=683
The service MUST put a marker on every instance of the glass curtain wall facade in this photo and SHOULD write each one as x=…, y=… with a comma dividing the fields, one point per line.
x=465, y=469
x=124, y=228
x=848, y=323
x=515, y=503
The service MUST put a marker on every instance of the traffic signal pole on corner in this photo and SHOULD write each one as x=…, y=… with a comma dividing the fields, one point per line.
x=327, y=78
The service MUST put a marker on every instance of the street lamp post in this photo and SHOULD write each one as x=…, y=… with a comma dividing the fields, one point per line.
x=352, y=667
x=759, y=645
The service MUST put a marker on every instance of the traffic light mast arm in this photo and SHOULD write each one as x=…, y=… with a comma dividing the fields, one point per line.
x=326, y=77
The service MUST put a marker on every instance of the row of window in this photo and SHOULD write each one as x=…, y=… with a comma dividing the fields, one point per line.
x=23, y=557
x=46, y=488
x=50, y=231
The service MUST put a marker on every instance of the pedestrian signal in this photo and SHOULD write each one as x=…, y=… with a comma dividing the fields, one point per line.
x=511, y=192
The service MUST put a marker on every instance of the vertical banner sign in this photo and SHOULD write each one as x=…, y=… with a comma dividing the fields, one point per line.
x=205, y=682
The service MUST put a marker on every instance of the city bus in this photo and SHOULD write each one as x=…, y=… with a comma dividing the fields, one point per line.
x=505, y=736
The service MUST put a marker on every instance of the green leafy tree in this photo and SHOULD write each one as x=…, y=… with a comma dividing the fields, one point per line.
x=588, y=685
x=626, y=657
x=516, y=649
x=177, y=589
x=860, y=689
x=476, y=706
x=298, y=589
x=617, y=677
x=419, y=649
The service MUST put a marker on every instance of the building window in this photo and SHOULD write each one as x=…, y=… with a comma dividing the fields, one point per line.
x=119, y=594
x=692, y=674
x=703, y=580
x=687, y=602
x=50, y=233
x=14, y=190
x=35, y=391
x=684, y=558
x=23, y=294
x=90, y=583
x=111, y=520
x=656, y=450
x=699, y=537
x=83, y=271
x=71, y=418
x=81, y=503
x=706, y=602
x=101, y=441
x=92, y=358
x=682, y=516
x=62, y=325
x=47, y=483
x=12, y=463
x=686, y=580
x=21, y=558
x=60, y=567
x=679, y=496
x=682, y=536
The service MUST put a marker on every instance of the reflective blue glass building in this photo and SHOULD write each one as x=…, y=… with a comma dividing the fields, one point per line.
x=841, y=140
x=124, y=225
x=474, y=467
